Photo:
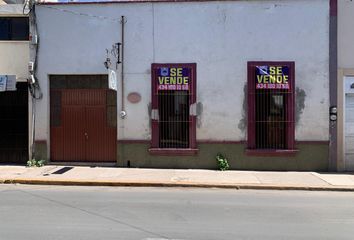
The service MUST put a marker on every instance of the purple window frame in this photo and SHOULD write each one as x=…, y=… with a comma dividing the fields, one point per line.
x=192, y=150
x=290, y=106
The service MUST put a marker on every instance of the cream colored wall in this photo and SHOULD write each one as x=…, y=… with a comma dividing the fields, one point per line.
x=14, y=59
x=11, y=10
x=345, y=68
x=14, y=54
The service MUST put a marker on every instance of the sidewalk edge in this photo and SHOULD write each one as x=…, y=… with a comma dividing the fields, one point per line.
x=171, y=184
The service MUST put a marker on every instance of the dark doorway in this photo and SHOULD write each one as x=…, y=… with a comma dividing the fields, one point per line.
x=14, y=125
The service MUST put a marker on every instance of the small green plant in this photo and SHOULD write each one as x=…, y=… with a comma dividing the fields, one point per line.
x=222, y=162
x=35, y=163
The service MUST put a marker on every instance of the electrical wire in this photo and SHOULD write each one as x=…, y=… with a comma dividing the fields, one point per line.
x=26, y=4
x=35, y=90
x=34, y=87
x=84, y=14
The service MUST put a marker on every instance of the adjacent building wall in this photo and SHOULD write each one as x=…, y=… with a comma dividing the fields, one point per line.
x=219, y=36
x=345, y=67
x=14, y=54
x=345, y=34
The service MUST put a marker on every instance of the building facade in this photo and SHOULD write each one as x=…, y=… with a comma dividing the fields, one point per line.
x=345, y=135
x=247, y=79
x=14, y=112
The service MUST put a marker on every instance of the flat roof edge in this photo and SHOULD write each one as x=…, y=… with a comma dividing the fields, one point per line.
x=132, y=1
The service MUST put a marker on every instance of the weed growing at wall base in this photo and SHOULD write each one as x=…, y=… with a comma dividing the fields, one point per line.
x=35, y=163
x=222, y=162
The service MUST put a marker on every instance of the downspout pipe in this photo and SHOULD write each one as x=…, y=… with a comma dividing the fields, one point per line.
x=333, y=71
x=123, y=21
x=34, y=87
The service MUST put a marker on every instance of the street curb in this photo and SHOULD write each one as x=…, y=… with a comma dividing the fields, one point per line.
x=169, y=184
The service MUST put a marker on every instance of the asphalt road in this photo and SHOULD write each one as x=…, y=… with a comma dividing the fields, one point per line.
x=58, y=212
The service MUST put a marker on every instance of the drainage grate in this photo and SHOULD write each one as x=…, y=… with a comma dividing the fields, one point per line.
x=62, y=170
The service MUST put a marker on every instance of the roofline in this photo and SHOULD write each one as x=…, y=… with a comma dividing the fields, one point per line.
x=131, y=1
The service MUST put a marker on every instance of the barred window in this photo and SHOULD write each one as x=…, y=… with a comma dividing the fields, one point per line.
x=173, y=95
x=270, y=120
x=271, y=101
x=174, y=119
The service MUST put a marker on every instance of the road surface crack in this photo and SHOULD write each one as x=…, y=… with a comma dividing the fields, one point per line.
x=96, y=214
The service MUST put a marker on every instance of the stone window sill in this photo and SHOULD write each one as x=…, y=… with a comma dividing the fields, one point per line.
x=271, y=152
x=173, y=151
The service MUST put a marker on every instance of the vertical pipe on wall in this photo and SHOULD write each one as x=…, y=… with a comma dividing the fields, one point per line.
x=333, y=66
x=34, y=87
x=31, y=144
x=122, y=72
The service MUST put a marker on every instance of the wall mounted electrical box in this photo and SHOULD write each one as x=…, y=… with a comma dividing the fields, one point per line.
x=31, y=67
x=333, y=113
x=34, y=39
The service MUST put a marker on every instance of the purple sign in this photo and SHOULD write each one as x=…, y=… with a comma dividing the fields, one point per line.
x=173, y=78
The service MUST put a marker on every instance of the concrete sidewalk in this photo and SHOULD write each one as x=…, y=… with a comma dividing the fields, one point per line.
x=114, y=176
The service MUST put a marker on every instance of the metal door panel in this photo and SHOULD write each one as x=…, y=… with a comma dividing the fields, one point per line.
x=94, y=97
x=84, y=97
x=84, y=133
x=111, y=144
x=56, y=143
x=349, y=132
x=99, y=140
x=72, y=97
x=74, y=143
x=95, y=133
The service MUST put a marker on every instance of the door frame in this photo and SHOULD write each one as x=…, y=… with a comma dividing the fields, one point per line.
x=345, y=94
x=49, y=143
x=341, y=94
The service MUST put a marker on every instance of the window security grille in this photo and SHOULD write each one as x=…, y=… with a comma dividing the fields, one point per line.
x=174, y=119
x=271, y=119
x=271, y=105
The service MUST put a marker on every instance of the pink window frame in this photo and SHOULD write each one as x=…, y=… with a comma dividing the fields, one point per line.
x=155, y=105
x=290, y=105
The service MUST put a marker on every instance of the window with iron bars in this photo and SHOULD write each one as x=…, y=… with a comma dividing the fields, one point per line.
x=174, y=119
x=173, y=93
x=271, y=104
x=270, y=119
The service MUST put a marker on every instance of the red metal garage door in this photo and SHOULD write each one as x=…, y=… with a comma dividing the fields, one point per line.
x=82, y=128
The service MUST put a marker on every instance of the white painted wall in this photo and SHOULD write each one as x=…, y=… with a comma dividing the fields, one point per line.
x=345, y=70
x=219, y=36
x=14, y=55
x=345, y=34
